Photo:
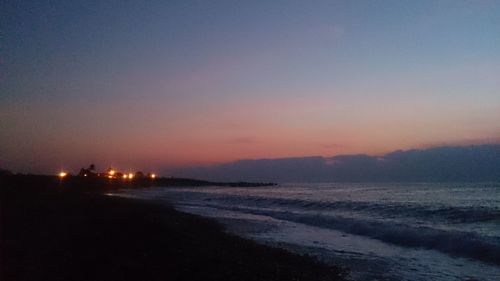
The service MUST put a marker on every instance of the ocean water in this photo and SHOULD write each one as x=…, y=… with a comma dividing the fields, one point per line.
x=391, y=231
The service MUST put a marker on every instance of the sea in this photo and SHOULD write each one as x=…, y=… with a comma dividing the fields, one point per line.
x=379, y=231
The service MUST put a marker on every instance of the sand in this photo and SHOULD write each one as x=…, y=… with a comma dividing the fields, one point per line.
x=54, y=231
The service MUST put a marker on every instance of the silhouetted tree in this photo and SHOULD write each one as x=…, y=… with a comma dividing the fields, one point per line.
x=4, y=172
x=89, y=172
x=83, y=172
x=139, y=175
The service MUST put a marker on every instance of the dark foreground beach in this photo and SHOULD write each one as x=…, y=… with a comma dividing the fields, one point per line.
x=54, y=232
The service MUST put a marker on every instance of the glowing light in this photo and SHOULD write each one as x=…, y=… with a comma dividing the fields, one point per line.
x=125, y=176
x=111, y=172
x=153, y=176
x=110, y=176
x=130, y=176
x=62, y=174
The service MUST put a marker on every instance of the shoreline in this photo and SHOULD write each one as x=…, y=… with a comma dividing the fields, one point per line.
x=52, y=232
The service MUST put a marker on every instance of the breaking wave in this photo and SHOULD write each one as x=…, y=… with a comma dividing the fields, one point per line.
x=465, y=244
x=419, y=211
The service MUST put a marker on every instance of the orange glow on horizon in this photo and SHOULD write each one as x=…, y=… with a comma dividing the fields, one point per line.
x=257, y=130
x=62, y=174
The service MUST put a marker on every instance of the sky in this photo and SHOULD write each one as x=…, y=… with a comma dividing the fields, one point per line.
x=165, y=84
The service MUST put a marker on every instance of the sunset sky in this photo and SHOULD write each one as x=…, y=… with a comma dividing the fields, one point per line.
x=157, y=84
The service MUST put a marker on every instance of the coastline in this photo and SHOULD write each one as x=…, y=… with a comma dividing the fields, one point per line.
x=52, y=232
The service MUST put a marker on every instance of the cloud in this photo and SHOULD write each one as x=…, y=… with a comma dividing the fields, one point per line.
x=447, y=163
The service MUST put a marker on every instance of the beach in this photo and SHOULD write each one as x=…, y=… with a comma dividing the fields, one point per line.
x=380, y=231
x=51, y=231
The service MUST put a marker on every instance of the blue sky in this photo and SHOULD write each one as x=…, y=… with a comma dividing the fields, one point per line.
x=176, y=83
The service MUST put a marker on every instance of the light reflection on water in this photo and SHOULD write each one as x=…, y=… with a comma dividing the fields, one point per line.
x=418, y=231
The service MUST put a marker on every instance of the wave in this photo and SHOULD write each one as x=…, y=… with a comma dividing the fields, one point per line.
x=450, y=214
x=469, y=245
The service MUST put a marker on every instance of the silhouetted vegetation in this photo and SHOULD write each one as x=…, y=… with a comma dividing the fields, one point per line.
x=4, y=172
x=91, y=179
